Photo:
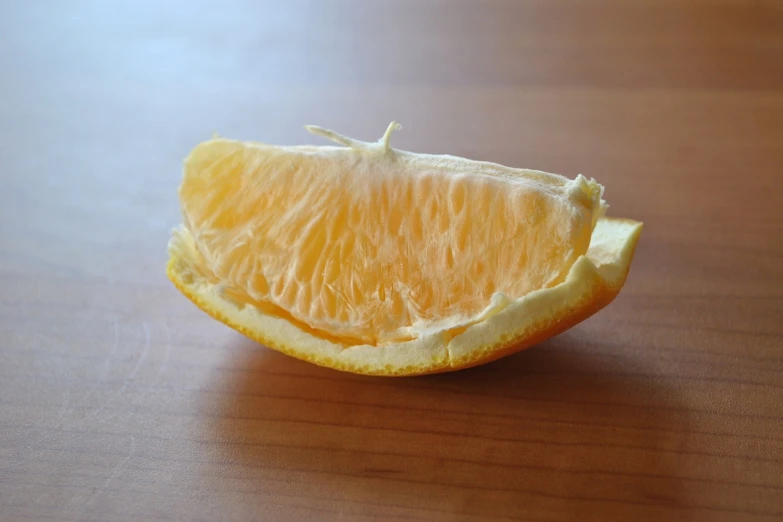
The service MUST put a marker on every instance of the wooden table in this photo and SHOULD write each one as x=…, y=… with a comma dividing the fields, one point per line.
x=119, y=400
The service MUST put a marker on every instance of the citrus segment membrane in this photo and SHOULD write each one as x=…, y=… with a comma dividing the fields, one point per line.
x=364, y=244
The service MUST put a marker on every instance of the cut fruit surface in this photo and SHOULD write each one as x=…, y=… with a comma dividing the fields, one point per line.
x=370, y=259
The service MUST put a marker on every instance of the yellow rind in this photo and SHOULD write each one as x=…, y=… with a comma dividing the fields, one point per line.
x=593, y=282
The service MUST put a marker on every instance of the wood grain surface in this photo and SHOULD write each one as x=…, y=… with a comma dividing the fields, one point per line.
x=119, y=400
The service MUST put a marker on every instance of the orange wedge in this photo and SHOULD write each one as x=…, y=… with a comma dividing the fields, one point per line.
x=374, y=260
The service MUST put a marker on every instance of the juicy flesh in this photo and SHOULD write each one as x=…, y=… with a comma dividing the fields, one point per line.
x=369, y=247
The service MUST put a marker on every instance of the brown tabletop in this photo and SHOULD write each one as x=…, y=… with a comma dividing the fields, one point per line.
x=119, y=400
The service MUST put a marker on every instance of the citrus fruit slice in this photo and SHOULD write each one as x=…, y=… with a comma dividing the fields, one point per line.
x=374, y=260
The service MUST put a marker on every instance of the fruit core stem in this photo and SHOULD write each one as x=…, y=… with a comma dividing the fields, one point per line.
x=384, y=142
